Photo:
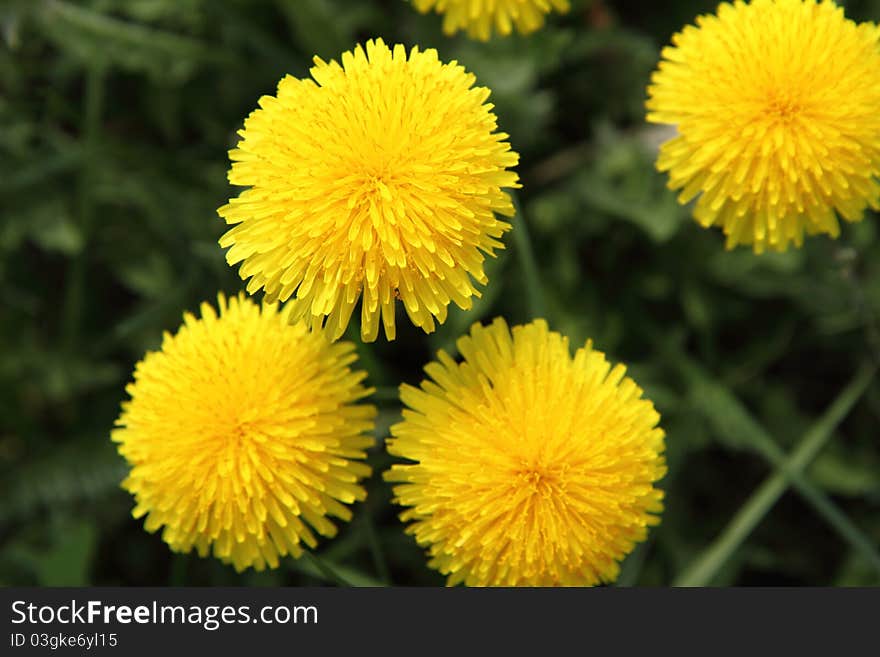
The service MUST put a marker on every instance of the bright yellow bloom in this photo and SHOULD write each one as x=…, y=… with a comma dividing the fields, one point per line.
x=243, y=435
x=378, y=180
x=530, y=467
x=478, y=17
x=777, y=106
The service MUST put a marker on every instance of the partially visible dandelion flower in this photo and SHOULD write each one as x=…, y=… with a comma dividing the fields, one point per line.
x=377, y=181
x=528, y=466
x=243, y=435
x=480, y=17
x=777, y=108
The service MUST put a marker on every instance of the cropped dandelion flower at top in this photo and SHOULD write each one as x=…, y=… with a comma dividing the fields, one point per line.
x=480, y=17
x=777, y=108
x=378, y=180
x=243, y=435
x=529, y=467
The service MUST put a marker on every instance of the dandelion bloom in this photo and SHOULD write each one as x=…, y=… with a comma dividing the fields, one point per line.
x=479, y=17
x=243, y=435
x=529, y=467
x=378, y=180
x=777, y=109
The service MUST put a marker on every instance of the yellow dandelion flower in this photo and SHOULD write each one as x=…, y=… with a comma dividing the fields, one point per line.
x=243, y=435
x=479, y=17
x=378, y=180
x=530, y=467
x=777, y=109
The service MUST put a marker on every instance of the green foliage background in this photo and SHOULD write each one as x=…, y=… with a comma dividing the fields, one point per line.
x=116, y=117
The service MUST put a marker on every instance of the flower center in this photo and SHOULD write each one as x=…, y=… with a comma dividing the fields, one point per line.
x=783, y=108
x=377, y=184
x=541, y=480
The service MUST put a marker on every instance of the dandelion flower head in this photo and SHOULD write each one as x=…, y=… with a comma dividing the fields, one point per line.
x=480, y=17
x=777, y=110
x=527, y=466
x=379, y=179
x=243, y=435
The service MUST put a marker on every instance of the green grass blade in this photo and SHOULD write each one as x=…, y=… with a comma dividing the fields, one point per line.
x=702, y=571
x=789, y=470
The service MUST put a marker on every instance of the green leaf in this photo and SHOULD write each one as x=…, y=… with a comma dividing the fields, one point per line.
x=316, y=566
x=840, y=475
x=59, y=554
x=96, y=39
x=67, y=562
x=59, y=233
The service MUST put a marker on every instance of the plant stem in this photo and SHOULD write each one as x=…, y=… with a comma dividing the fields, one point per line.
x=376, y=552
x=526, y=255
x=76, y=275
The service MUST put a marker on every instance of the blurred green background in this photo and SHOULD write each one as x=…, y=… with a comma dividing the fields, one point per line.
x=116, y=117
